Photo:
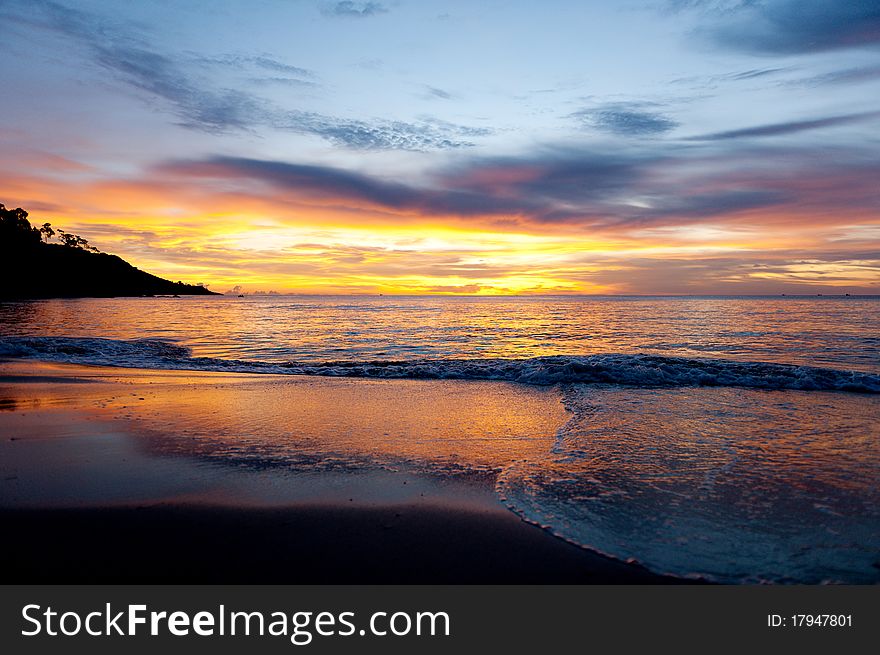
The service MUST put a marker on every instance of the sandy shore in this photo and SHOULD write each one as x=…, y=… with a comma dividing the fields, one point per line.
x=113, y=475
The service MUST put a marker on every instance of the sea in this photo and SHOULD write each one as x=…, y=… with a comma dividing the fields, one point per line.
x=732, y=439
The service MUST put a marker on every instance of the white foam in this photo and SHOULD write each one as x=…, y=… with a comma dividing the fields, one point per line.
x=728, y=485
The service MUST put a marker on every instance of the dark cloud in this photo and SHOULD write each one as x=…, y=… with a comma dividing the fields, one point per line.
x=786, y=27
x=666, y=186
x=200, y=105
x=316, y=181
x=626, y=119
x=335, y=184
x=349, y=9
x=554, y=186
x=715, y=203
x=792, y=127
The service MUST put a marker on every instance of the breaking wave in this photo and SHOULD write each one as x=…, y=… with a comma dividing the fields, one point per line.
x=634, y=370
x=727, y=485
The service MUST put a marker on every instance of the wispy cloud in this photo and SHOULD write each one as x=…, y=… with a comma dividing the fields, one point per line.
x=756, y=271
x=755, y=73
x=131, y=59
x=791, y=127
x=843, y=76
x=735, y=76
x=434, y=92
x=264, y=62
x=199, y=105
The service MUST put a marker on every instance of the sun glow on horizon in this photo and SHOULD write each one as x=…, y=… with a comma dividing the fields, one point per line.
x=297, y=251
x=288, y=166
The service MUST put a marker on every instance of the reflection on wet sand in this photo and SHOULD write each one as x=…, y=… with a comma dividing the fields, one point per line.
x=363, y=431
x=172, y=477
x=736, y=485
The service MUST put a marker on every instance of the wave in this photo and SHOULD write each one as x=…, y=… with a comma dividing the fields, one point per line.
x=723, y=485
x=636, y=370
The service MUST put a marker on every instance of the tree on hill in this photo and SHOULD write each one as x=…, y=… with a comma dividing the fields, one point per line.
x=33, y=266
x=15, y=228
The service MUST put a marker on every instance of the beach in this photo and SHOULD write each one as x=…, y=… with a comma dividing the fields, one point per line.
x=329, y=438
x=118, y=475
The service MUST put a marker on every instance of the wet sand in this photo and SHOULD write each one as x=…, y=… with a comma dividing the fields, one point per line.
x=124, y=476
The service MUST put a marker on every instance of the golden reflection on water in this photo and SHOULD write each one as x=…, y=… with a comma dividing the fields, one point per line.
x=319, y=422
x=832, y=332
x=796, y=438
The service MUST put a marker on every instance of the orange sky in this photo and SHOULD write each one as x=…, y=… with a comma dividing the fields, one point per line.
x=182, y=230
x=602, y=150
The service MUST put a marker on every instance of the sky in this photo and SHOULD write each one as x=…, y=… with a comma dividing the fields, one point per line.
x=404, y=147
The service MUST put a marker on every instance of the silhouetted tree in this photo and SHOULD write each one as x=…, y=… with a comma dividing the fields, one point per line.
x=47, y=232
x=15, y=229
x=69, y=239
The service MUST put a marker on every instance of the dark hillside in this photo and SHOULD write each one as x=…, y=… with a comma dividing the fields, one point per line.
x=32, y=268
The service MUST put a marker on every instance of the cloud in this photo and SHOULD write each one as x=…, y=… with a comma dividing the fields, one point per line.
x=349, y=9
x=706, y=82
x=283, y=81
x=626, y=119
x=280, y=67
x=747, y=272
x=842, y=76
x=787, y=27
x=791, y=127
x=199, y=105
x=434, y=92
x=133, y=61
x=663, y=218
x=605, y=192
x=716, y=203
x=755, y=72
x=338, y=185
x=608, y=190
x=378, y=134
x=264, y=62
x=602, y=190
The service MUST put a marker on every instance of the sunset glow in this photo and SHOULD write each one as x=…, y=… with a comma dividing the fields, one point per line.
x=519, y=154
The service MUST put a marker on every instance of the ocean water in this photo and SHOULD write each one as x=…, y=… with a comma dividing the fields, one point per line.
x=831, y=332
x=734, y=439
